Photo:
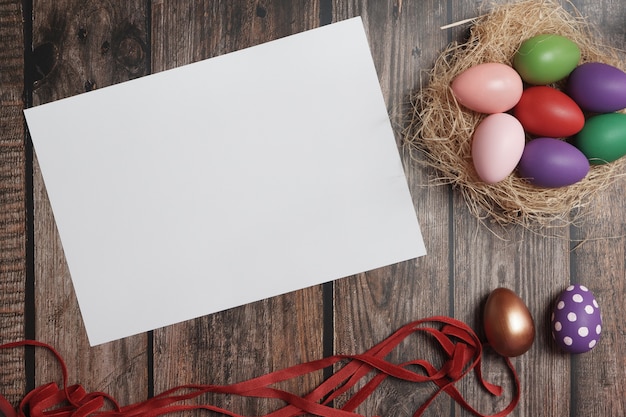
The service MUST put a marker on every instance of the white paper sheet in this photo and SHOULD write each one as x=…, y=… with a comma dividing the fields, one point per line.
x=226, y=181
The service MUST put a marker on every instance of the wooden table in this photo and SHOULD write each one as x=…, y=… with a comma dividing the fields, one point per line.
x=80, y=45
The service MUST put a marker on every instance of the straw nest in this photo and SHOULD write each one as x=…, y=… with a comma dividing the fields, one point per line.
x=441, y=130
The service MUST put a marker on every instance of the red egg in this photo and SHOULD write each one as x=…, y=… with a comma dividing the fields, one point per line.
x=546, y=111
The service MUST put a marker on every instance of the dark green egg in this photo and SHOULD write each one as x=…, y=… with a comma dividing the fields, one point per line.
x=603, y=138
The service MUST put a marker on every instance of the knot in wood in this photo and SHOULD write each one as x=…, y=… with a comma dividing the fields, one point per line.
x=130, y=53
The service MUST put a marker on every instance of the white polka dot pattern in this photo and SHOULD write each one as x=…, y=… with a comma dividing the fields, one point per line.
x=576, y=320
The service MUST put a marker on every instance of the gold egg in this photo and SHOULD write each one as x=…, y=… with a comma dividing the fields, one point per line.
x=509, y=326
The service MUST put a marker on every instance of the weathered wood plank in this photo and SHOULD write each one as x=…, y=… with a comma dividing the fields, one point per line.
x=598, y=377
x=483, y=262
x=84, y=44
x=599, y=263
x=404, y=40
x=268, y=335
x=532, y=265
x=79, y=46
x=537, y=267
x=12, y=199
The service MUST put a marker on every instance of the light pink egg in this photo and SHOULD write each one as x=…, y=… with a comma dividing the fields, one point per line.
x=497, y=146
x=488, y=88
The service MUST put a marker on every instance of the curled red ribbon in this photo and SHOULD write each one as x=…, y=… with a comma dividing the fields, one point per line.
x=460, y=344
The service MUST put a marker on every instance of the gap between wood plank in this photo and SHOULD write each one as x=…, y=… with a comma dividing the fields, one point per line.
x=328, y=289
x=150, y=334
x=29, y=284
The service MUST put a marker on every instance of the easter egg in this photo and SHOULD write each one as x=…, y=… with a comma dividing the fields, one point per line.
x=598, y=87
x=497, y=147
x=552, y=163
x=546, y=58
x=603, y=139
x=546, y=111
x=488, y=88
x=509, y=326
x=576, y=320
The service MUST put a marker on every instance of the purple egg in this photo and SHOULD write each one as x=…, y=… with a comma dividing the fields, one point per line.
x=598, y=87
x=576, y=320
x=552, y=163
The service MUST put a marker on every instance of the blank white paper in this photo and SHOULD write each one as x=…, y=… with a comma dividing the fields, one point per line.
x=226, y=181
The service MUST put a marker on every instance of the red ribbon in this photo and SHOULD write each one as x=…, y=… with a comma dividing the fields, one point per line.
x=462, y=348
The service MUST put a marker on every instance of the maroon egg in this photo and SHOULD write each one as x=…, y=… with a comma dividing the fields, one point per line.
x=552, y=163
x=598, y=87
x=546, y=111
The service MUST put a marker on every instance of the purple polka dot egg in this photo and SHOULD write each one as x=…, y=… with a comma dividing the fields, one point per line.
x=576, y=320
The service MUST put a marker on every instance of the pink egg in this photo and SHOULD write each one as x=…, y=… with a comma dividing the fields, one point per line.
x=488, y=88
x=497, y=146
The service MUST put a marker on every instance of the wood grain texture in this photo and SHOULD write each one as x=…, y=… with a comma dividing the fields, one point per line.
x=599, y=262
x=533, y=265
x=80, y=46
x=83, y=45
x=267, y=335
x=598, y=377
x=12, y=199
x=538, y=267
x=404, y=39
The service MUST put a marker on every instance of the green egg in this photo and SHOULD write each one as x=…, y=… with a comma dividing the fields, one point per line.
x=603, y=138
x=545, y=59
